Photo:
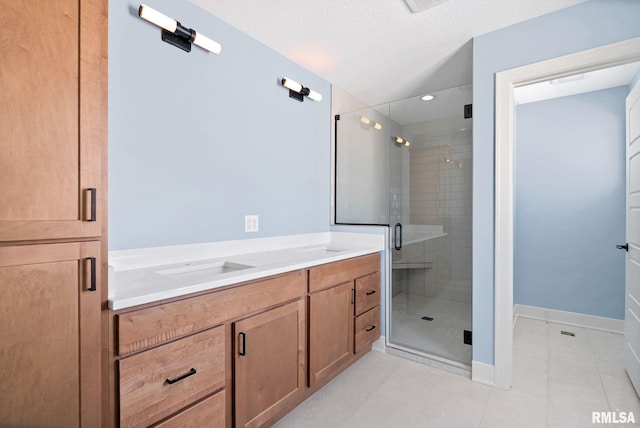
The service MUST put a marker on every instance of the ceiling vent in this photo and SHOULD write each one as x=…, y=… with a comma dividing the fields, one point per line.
x=422, y=5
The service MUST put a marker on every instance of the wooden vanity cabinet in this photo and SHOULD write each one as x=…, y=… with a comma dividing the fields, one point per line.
x=193, y=340
x=344, y=314
x=367, y=312
x=269, y=363
x=159, y=382
x=247, y=354
x=330, y=331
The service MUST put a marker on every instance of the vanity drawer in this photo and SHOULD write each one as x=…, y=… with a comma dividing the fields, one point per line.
x=325, y=276
x=140, y=329
x=367, y=292
x=367, y=329
x=157, y=383
x=208, y=413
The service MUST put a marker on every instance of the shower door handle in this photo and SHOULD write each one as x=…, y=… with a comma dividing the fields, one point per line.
x=397, y=236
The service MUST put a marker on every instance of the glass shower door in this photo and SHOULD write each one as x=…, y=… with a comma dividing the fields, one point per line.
x=430, y=215
x=407, y=165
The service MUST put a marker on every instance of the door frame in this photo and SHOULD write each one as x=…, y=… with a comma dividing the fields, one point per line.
x=506, y=81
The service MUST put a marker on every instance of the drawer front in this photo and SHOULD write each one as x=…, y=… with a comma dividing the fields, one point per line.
x=367, y=329
x=367, y=292
x=325, y=276
x=207, y=413
x=141, y=329
x=154, y=384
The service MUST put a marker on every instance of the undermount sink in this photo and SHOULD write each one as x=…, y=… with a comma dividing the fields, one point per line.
x=322, y=249
x=216, y=268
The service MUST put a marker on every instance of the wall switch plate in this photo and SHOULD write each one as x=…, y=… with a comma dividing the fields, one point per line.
x=251, y=223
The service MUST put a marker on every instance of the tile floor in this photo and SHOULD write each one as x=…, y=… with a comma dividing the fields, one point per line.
x=443, y=336
x=557, y=382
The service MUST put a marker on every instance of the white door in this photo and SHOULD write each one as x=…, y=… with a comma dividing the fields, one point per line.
x=632, y=290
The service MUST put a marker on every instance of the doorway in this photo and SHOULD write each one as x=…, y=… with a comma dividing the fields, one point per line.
x=506, y=81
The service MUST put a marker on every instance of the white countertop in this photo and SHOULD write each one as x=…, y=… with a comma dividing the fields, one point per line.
x=146, y=275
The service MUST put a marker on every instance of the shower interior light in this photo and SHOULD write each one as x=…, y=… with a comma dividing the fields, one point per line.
x=401, y=141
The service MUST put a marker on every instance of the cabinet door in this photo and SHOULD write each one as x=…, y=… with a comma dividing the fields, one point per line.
x=330, y=331
x=269, y=363
x=52, y=124
x=50, y=335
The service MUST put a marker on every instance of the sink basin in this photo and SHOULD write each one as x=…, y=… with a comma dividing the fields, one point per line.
x=322, y=249
x=204, y=268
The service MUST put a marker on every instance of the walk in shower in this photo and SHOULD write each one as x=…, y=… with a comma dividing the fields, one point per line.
x=406, y=165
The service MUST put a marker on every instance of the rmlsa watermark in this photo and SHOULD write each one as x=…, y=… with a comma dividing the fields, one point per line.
x=612, y=418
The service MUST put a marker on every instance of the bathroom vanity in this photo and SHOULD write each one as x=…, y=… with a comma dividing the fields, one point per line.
x=238, y=352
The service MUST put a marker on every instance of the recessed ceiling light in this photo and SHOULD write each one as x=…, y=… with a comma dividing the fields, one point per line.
x=428, y=97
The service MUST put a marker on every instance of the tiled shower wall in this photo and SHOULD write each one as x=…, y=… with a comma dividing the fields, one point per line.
x=439, y=188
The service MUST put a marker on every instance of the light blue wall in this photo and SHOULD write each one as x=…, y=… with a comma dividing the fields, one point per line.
x=584, y=26
x=198, y=140
x=570, y=203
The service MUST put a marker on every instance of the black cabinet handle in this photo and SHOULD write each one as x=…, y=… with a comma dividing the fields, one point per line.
x=179, y=378
x=242, y=351
x=92, y=273
x=92, y=191
x=353, y=296
x=371, y=328
x=369, y=293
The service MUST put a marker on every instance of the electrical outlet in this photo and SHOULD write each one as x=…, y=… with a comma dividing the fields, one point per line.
x=251, y=223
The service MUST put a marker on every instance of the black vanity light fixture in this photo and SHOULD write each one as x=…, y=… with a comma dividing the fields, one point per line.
x=175, y=33
x=298, y=92
x=401, y=141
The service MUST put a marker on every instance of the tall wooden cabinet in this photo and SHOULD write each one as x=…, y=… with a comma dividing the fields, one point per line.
x=52, y=211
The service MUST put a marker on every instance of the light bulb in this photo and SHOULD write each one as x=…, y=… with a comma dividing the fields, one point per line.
x=157, y=18
x=377, y=126
x=291, y=84
x=314, y=95
x=365, y=120
x=206, y=43
x=399, y=140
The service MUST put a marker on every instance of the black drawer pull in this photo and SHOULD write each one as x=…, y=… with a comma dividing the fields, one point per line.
x=371, y=328
x=92, y=273
x=369, y=293
x=92, y=217
x=179, y=378
x=243, y=343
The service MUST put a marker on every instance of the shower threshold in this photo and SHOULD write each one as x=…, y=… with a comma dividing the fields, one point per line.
x=429, y=359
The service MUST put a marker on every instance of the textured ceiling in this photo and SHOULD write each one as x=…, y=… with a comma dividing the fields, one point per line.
x=378, y=50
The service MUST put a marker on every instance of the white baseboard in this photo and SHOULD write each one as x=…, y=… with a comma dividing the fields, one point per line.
x=483, y=373
x=379, y=345
x=568, y=318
